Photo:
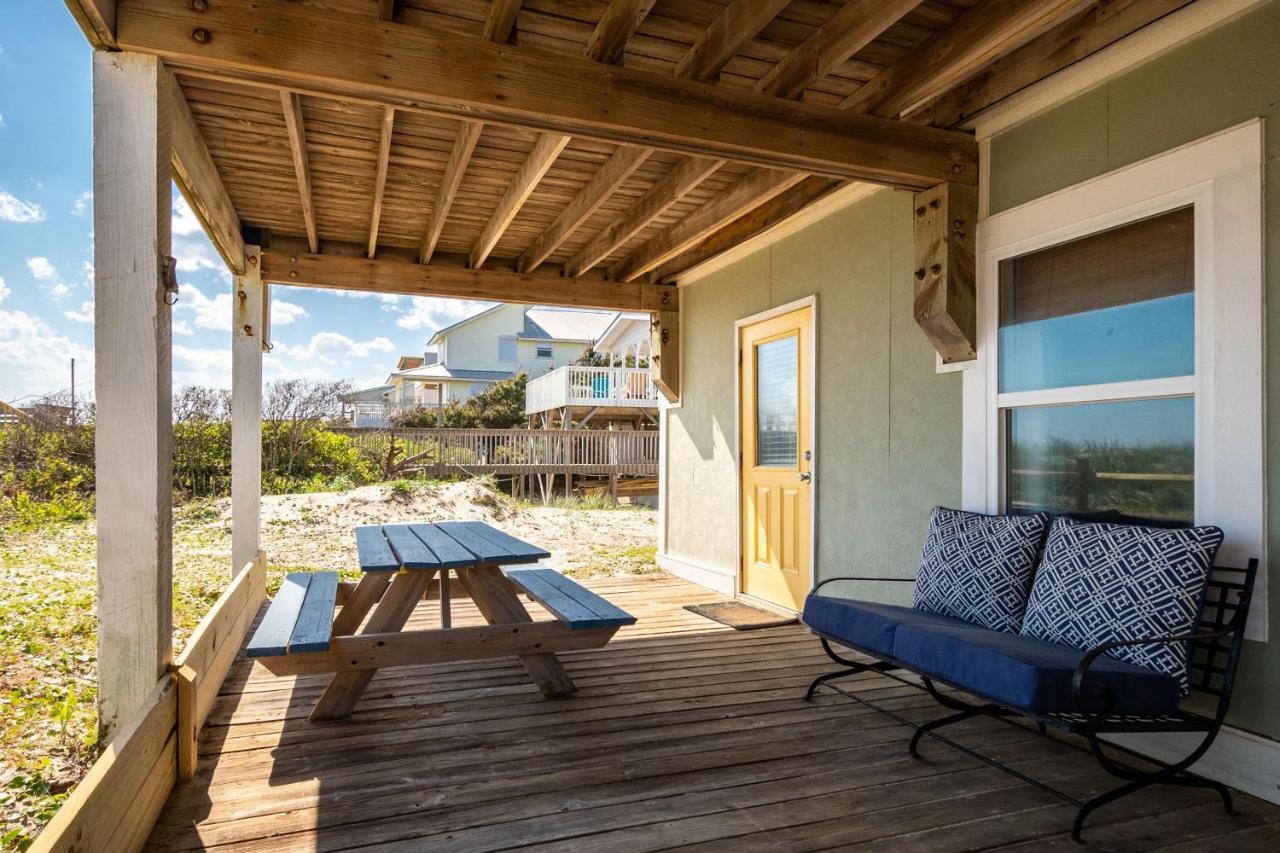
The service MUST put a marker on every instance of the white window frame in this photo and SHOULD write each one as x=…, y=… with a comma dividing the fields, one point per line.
x=538, y=348
x=1221, y=175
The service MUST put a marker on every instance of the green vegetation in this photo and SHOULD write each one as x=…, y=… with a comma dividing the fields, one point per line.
x=499, y=407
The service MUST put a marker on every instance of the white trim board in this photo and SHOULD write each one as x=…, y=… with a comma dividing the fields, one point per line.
x=1137, y=48
x=1221, y=175
x=1241, y=759
x=716, y=580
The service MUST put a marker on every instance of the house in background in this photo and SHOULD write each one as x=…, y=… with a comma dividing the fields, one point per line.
x=473, y=354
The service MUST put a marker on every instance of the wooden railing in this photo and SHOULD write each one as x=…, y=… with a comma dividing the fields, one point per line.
x=469, y=452
x=619, y=387
x=117, y=802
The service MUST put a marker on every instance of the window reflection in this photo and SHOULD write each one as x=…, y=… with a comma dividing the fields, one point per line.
x=777, y=402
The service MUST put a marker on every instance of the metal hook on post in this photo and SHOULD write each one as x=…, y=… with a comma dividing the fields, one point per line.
x=170, y=280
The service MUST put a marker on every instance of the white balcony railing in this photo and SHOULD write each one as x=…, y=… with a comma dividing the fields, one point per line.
x=630, y=387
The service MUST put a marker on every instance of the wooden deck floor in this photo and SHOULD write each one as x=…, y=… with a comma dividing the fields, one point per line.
x=683, y=734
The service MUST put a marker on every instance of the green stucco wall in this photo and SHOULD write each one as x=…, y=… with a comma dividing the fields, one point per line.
x=1219, y=80
x=888, y=426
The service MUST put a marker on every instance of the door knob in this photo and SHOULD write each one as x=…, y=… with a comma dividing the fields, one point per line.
x=806, y=477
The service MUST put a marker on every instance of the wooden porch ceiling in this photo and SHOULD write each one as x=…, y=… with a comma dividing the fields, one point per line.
x=555, y=147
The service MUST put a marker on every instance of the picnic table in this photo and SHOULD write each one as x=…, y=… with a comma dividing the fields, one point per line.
x=401, y=564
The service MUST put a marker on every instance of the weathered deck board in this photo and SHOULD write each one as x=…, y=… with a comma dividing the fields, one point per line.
x=683, y=734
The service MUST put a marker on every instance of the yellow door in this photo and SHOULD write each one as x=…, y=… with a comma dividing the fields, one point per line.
x=776, y=394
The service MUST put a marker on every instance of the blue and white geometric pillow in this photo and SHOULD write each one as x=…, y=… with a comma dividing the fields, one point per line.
x=1099, y=583
x=978, y=568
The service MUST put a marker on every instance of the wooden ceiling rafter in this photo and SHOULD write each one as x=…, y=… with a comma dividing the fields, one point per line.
x=606, y=44
x=852, y=27
x=386, y=130
x=291, y=104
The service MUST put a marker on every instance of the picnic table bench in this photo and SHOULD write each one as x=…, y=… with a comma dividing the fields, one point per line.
x=403, y=563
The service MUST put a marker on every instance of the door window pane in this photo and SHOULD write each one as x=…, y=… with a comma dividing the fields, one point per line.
x=1133, y=457
x=1111, y=307
x=777, y=402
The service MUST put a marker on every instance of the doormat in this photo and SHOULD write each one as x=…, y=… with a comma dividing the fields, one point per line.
x=742, y=617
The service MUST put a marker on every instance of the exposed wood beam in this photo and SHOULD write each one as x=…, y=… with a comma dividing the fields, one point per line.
x=432, y=70
x=686, y=175
x=344, y=267
x=1101, y=25
x=196, y=175
x=753, y=189
x=854, y=26
x=606, y=44
x=957, y=52
x=664, y=352
x=606, y=180
x=523, y=183
x=98, y=20
x=737, y=25
x=749, y=225
x=387, y=10
x=501, y=22
x=616, y=26
x=945, y=307
x=463, y=145
x=380, y=177
x=291, y=103
x=250, y=310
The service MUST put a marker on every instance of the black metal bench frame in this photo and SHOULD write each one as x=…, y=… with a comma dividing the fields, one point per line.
x=1215, y=654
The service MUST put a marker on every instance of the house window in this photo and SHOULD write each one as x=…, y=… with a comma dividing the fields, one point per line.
x=506, y=349
x=1085, y=327
x=1120, y=364
x=478, y=388
x=543, y=351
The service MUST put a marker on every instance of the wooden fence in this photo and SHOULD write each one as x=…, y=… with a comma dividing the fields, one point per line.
x=513, y=452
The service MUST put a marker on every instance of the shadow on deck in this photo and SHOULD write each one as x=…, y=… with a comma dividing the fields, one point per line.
x=683, y=733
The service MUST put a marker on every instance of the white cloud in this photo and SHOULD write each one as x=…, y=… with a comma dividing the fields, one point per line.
x=182, y=327
x=185, y=222
x=4, y=290
x=432, y=312
x=14, y=209
x=334, y=348
x=84, y=315
x=83, y=204
x=215, y=313
x=57, y=290
x=283, y=313
x=42, y=269
x=206, y=367
x=35, y=356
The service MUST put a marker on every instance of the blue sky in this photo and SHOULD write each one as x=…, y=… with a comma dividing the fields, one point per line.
x=46, y=248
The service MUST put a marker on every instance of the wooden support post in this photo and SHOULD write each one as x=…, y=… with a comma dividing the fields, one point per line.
x=664, y=361
x=946, y=219
x=132, y=176
x=249, y=310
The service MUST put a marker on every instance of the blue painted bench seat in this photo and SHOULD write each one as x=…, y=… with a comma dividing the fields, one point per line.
x=1016, y=671
x=300, y=618
x=573, y=604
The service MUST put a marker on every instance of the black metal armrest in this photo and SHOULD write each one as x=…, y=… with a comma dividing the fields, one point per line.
x=1082, y=670
x=820, y=584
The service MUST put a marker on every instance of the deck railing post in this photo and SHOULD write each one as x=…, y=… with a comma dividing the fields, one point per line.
x=133, y=282
x=249, y=312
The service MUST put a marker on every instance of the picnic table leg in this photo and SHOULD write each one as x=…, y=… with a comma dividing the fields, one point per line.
x=497, y=601
x=446, y=616
x=393, y=610
x=366, y=594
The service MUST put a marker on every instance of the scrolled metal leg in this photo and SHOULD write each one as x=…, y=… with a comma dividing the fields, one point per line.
x=822, y=679
x=923, y=728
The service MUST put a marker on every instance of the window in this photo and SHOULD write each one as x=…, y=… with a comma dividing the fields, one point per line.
x=478, y=388
x=777, y=401
x=507, y=348
x=1076, y=320
x=1120, y=349
x=543, y=351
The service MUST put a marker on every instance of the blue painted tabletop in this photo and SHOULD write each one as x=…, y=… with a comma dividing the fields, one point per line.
x=441, y=545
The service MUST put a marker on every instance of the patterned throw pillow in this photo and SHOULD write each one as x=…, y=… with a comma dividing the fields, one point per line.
x=978, y=568
x=1099, y=583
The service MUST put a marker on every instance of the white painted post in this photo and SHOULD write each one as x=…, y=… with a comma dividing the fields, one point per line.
x=249, y=324
x=133, y=381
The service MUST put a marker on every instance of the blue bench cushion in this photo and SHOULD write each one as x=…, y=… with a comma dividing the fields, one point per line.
x=1099, y=583
x=1029, y=674
x=865, y=625
x=978, y=568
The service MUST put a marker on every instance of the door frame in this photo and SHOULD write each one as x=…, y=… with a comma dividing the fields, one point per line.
x=810, y=302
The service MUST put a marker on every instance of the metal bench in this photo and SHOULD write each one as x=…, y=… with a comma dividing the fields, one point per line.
x=573, y=604
x=300, y=618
